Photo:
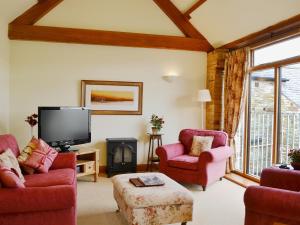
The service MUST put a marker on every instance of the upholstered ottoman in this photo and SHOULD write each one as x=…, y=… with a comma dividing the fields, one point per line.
x=170, y=203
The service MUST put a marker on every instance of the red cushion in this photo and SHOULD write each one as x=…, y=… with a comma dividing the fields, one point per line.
x=184, y=162
x=9, y=178
x=52, y=178
x=41, y=158
x=9, y=141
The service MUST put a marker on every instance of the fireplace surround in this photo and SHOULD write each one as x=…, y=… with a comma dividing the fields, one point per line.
x=121, y=155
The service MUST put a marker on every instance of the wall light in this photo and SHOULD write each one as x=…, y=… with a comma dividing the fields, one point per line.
x=170, y=77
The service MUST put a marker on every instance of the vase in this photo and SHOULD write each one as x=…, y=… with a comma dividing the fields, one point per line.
x=296, y=165
x=155, y=130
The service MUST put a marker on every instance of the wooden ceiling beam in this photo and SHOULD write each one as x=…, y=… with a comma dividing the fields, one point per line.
x=36, y=12
x=196, y=5
x=98, y=37
x=271, y=32
x=181, y=21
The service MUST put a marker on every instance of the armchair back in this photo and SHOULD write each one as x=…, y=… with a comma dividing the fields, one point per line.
x=9, y=141
x=186, y=137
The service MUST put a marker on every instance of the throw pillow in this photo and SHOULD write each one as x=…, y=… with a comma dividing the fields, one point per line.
x=41, y=158
x=9, y=160
x=27, y=151
x=200, y=144
x=9, y=178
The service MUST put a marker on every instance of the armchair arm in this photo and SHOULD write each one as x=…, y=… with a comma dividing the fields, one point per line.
x=64, y=160
x=271, y=201
x=215, y=154
x=281, y=178
x=34, y=199
x=167, y=152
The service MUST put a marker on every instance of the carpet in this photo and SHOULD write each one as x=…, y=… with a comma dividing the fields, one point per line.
x=221, y=204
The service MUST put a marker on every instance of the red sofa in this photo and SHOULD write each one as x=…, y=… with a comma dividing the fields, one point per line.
x=48, y=199
x=203, y=170
x=276, y=200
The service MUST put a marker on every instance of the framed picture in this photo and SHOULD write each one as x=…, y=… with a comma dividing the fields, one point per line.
x=112, y=97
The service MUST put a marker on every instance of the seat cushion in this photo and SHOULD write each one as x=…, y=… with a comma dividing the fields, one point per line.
x=52, y=178
x=184, y=162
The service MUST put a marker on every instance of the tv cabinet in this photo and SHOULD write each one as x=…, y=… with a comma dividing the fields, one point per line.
x=87, y=162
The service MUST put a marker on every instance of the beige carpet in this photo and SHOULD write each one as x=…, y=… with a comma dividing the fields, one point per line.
x=221, y=204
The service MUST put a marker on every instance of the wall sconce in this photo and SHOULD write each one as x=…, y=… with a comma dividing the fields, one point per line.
x=170, y=77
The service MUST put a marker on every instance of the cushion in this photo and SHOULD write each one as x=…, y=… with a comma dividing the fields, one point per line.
x=9, y=160
x=9, y=178
x=52, y=178
x=41, y=158
x=27, y=151
x=184, y=162
x=200, y=144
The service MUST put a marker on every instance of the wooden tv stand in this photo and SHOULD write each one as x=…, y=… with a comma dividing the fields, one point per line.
x=87, y=162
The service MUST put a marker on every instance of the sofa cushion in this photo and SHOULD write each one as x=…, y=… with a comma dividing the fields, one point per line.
x=26, y=152
x=200, y=144
x=9, y=160
x=52, y=178
x=184, y=162
x=9, y=141
x=9, y=178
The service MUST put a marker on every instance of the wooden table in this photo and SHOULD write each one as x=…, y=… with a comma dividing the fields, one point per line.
x=87, y=162
x=151, y=159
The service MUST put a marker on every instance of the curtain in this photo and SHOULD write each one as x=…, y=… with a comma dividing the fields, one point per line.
x=236, y=65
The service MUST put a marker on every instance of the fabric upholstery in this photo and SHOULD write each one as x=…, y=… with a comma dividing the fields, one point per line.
x=9, y=160
x=268, y=205
x=200, y=144
x=205, y=169
x=9, y=178
x=9, y=141
x=170, y=203
x=45, y=200
x=26, y=152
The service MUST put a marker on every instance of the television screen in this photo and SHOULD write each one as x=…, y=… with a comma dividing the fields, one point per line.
x=64, y=126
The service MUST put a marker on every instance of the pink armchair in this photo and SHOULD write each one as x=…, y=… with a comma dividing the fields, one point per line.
x=276, y=200
x=210, y=166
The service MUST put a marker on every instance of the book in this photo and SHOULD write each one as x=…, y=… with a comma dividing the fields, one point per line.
x=147, y=181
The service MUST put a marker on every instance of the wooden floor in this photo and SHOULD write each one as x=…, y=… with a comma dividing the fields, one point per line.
x=242, y=181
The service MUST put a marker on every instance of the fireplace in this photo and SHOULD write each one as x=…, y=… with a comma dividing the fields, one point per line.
x=121, y=155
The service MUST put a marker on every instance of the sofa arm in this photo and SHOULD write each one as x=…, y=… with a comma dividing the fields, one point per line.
x=273, y=202
x=167, y=152
x=281, y=178
x=64, y=160
x=33, y=199
x=215, y=154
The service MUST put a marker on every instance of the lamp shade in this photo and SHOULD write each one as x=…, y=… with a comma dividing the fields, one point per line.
x=204, y=95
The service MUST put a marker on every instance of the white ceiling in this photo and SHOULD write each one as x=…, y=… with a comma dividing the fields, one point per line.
x=220, y=21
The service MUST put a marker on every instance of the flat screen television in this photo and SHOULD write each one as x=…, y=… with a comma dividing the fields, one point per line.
x=62, y=127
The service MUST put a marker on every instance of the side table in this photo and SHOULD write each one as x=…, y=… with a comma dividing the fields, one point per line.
x=151, y=159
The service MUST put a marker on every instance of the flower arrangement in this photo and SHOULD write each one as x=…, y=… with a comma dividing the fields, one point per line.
x=294, y=156
x=32, y=121
x=157, y=123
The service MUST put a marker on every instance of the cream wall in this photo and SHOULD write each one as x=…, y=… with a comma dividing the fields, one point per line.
x=49, y=74
x=4, y=77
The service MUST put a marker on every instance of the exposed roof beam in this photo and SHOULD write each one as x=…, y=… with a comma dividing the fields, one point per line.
x=36, y=12
x=271, y=32
x=98, y=37
x=196, y=5
x=181, y=21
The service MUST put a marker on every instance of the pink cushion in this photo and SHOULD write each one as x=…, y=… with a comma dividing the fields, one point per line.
x=9, y=141
x=41, y=158
x=184, y=162
x=9, y=178
x=52, y=178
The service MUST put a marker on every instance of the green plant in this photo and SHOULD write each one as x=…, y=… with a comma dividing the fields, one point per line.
x=294, y=155
x=156, y=121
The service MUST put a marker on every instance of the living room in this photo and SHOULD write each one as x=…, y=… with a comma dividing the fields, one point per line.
x=172, y=49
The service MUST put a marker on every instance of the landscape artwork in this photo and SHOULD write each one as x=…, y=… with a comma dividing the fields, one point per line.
x=112, y=97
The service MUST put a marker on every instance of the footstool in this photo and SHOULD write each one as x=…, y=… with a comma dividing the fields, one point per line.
x=170, y=203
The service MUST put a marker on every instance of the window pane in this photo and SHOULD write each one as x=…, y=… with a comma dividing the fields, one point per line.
x=290, y=111
x=261, y=116
x=278, y=51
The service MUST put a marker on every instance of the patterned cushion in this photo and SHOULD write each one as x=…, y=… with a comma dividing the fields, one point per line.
x=200, y=144
x=9, y=178
x=41, y=158
x=9, y=160
x=27, y=151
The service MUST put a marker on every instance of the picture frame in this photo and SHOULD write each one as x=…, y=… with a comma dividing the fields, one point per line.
x=112, y=97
